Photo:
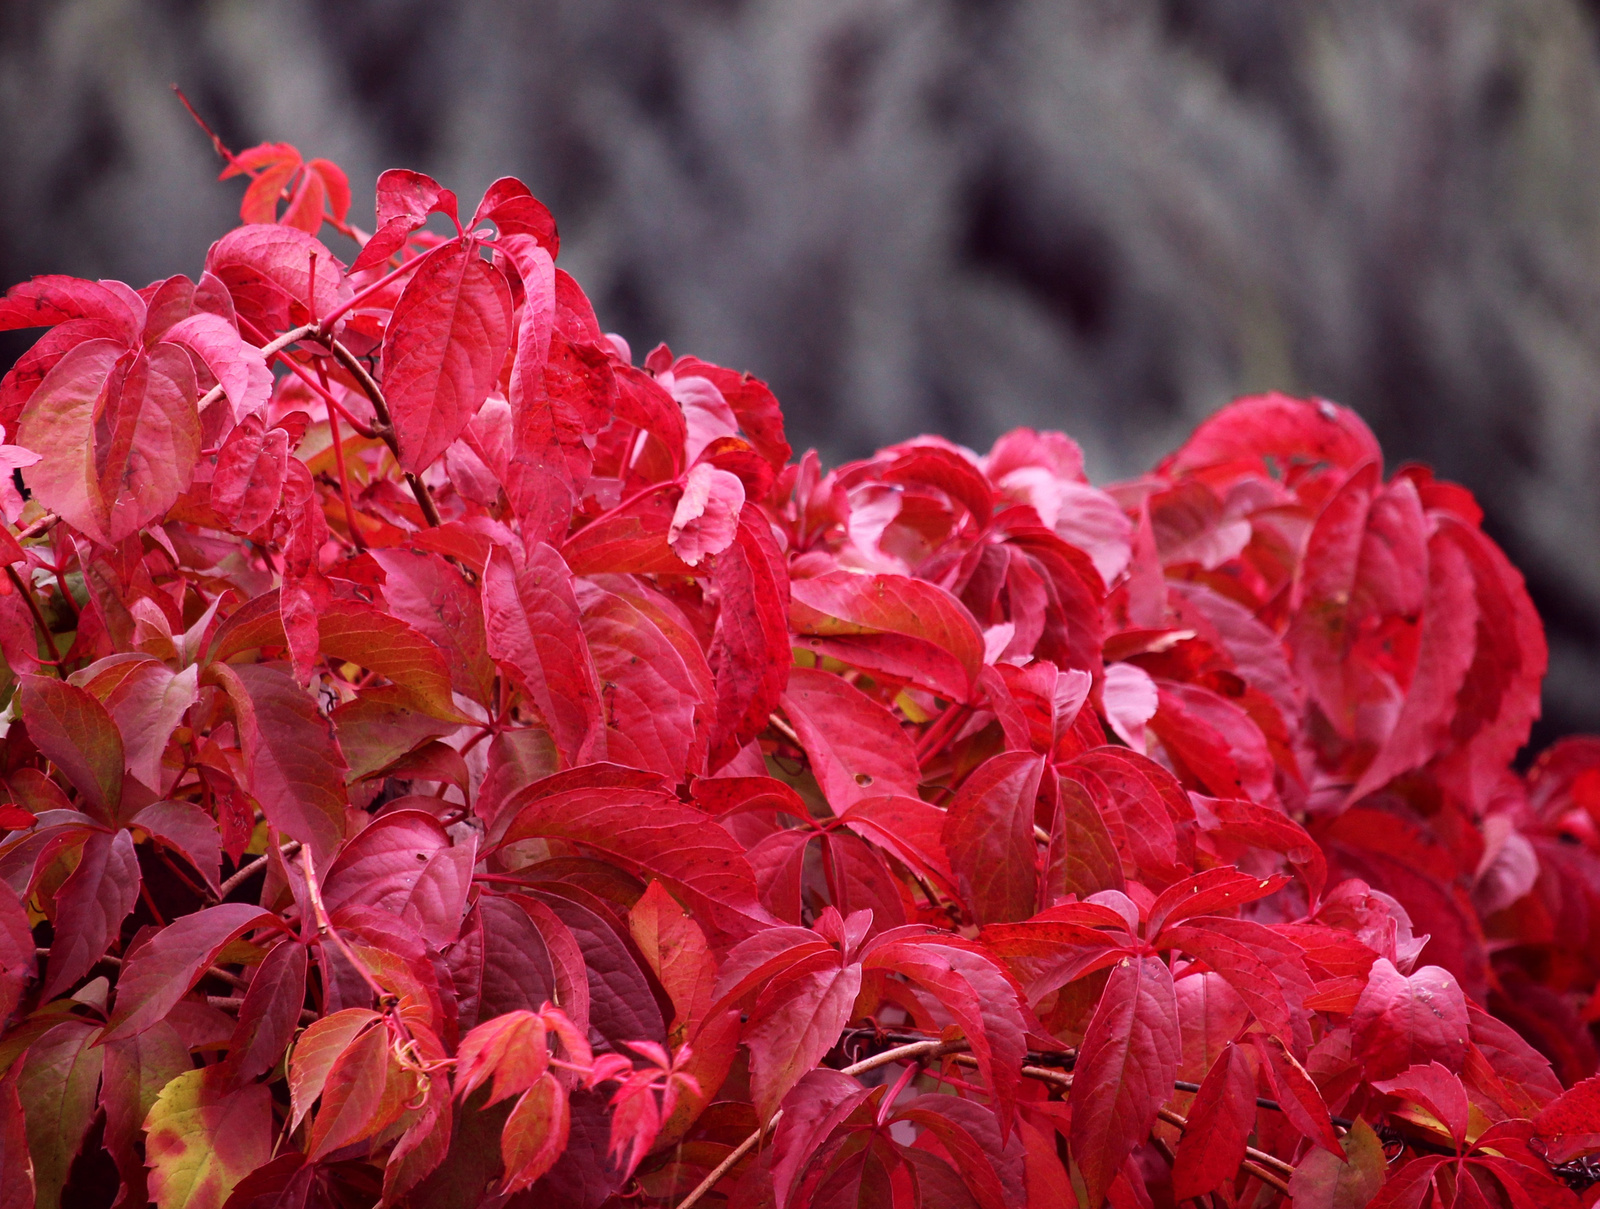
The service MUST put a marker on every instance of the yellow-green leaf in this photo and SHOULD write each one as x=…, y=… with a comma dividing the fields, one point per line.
x=200, y=1141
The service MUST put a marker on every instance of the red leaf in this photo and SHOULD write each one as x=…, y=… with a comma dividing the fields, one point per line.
x=968, y=1134
x=57, y=1088
x=1437, y=1090
x=750, y=652
x=978, y=994
x=1125, y=1069
x=1570, y=1124
x=443, y=348
x=1263, y=436
x=856, y=747
x=267, y=269
x=1500, y=698
x=1298, y=1096
x=707, y=514
x=556, y=403
x=1083, y=857
x=405, y=200
x=18, y=961
x=793, y=1025
x=295, y=764
x=988, y=832
x=90, y=907
x=1366, y=567
x=632, y=539
x=430, y=595
x=1444, y=655
x=1206, y=894
x=1221, y=1121
x=58, y=422
x=751, y=402
x=77, y=735
x=654, y=711
x=535, y=1133
x=404, y=863
x=1058, y=946
x=16, y=1190
x=118, y=434
x=251, y=469
x=147, y=701
x=364, y=1094
x=364, y=635
x=163, y=969
x=1321, y=1181
x=315, y=1052
x=214, y=342
x=1214, y=741
x=533, y=626
x=188, y=830
x=654, y=834
x=270, y=1013
x=511, y=206
x=1408, y=1187
x=907, y=628
x=1139, y=802
x=52, y=299
x=1400, y=1022
x=907, y=828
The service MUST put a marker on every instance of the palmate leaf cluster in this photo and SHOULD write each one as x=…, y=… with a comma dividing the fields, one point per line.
x=451, y=764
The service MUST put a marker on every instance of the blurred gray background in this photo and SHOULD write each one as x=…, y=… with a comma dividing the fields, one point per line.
x=1107, y=216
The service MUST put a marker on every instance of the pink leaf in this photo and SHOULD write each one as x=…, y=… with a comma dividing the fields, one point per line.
x=90, y=907
x=856, y=747
x=1221, y=1121
x=162, y=970
x=534, y=628
x=296, y=768
x=988, y=833
x=1400, y=1022
x=443, y=348
x=1125, y=1069
x=707, y=515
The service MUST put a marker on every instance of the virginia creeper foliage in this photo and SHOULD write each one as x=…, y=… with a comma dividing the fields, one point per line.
x=448, y=764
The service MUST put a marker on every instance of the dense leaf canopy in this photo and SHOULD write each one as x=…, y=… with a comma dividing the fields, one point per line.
x=448, y=764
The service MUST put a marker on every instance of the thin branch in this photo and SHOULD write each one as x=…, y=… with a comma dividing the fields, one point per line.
x=921, y=1050
x=240, y=876
x=1257, y=1162
x=38, y=618
x=784, y=729
x=116, y=964
x=216, y=140
x=326, y=929
x=268, y=350
x=338, y=459
x=385, y=425
x=38, y=526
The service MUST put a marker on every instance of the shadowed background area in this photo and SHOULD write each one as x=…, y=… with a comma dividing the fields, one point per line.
x=1106, y=216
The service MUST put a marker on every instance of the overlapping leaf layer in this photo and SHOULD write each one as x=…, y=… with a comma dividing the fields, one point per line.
x=449, y=764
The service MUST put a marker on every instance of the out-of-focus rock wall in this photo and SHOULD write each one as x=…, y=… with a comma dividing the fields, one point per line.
x=1107, y=216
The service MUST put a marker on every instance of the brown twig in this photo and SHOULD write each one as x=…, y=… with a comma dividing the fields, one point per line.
x=240, y=876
